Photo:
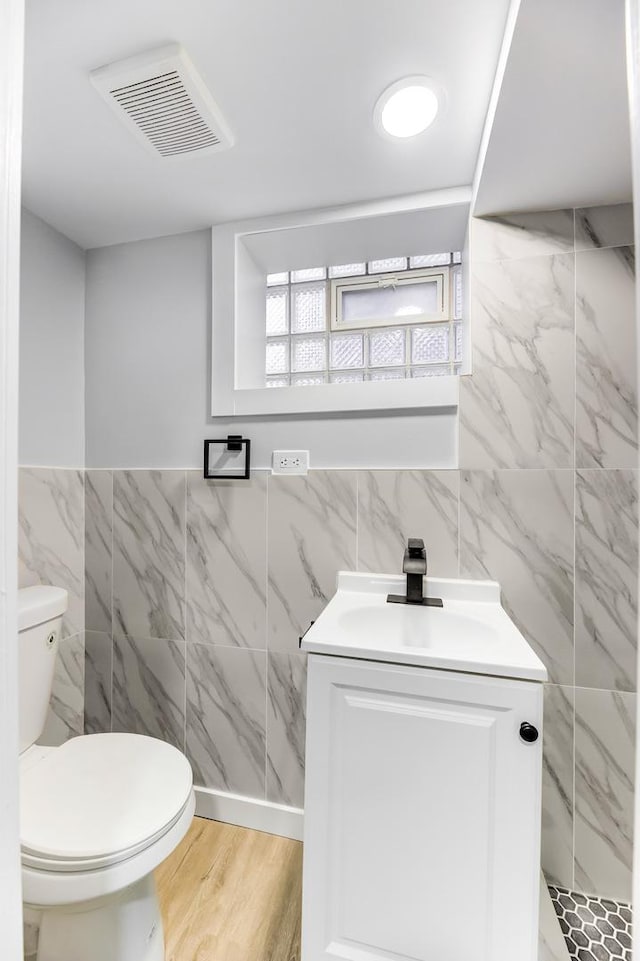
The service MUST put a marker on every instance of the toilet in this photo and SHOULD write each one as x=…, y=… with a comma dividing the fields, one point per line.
x=97, y=815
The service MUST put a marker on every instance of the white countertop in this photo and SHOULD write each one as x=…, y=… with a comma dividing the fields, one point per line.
x=471, y=632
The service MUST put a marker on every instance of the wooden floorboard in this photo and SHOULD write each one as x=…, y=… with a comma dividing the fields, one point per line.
x=231, y=894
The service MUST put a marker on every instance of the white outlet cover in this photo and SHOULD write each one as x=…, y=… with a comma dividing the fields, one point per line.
x=290, y=462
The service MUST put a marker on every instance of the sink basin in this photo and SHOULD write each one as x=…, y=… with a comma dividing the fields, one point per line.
x=423, y=627
x=471, y=632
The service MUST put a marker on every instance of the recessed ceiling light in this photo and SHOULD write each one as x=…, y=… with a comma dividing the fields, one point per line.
x=406, y=108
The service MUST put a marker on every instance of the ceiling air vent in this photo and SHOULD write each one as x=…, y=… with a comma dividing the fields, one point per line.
x=163, y=101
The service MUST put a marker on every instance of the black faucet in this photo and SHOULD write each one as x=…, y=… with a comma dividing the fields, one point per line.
x=414, y=565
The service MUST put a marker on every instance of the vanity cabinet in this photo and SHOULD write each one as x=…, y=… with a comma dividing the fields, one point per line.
x=422, y=814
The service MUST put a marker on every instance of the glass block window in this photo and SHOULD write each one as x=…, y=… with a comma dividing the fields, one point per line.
x=309, y=354
x=392, y=374
x=347, y=350
x=275, y=280
x=457, y=293
x=387, y=348
x=400, y=317
x=309, y=309
x=277, y=357
x=347, y=270
x=346, y=377
x=430, y=345
x=436, y=370
x=458, y=342
x=277, y=312
x=309, y=273
x=430, y=260
x=385, y=266
x=277, y=381
x=308, y=380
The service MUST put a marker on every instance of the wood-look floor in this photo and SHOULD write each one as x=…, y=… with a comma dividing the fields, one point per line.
x=231, y=894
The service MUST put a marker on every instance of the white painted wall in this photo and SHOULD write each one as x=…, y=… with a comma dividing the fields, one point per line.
x=147, y=369
x=52, y=292
x=147, y=352
x=11, y=57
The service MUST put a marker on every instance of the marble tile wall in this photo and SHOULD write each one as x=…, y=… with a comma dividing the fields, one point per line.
x=232, y=692
x=249, y=565
x=51, y=551
x=549, y=505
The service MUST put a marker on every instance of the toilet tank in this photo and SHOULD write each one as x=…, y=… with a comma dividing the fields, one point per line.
x=40, y=611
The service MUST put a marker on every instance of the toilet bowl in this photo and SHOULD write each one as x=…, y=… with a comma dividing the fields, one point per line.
x=97, y=816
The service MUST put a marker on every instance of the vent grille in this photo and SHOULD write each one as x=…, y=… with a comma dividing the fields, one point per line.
x=164, y=102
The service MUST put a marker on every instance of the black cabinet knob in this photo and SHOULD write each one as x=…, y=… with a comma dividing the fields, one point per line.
x=528, y=732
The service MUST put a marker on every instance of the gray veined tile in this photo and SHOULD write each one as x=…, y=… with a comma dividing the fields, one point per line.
x=606, y=379
x=97, y=682
x=286, y=713
x=515, y=236
x=605, y=226
x=606, y=579
x=517, y=407
x=311, y=536
x=226, y=718
x=149, y=553
x=65, y=718
x=605, y=736
x=395, y=505
x=516, y=527
x=148, y=688
x=227, y=561
x=557, y=785
x=98, y=549
x=51, y=536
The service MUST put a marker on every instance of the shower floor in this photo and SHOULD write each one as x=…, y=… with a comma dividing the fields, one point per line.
x=593, y=927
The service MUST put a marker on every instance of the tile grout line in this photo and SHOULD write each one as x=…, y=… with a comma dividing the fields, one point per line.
x=267, y=652
x=357, y=557
x=184, y=616
x=83, y=568
x=575, y=481
x=459, y=539
x=112, y=592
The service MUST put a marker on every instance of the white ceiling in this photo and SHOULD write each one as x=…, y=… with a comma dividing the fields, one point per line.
x=297, y=81
x=560, y=134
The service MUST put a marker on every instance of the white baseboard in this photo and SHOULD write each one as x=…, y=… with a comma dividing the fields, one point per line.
x=249, y=813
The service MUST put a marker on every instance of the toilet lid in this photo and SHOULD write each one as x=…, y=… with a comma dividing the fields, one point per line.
x=101, y=794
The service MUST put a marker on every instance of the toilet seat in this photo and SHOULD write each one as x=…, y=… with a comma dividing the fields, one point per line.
x=68, y=889
x=100, y=799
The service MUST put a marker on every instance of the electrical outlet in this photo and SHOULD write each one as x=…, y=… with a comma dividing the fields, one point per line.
x=290, y=462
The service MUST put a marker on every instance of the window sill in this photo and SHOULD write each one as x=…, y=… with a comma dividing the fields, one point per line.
x=427, y=393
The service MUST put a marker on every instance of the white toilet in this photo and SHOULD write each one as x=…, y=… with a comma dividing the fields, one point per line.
x=97, y=815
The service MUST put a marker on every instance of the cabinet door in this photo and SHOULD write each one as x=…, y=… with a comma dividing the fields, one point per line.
x=422, y=815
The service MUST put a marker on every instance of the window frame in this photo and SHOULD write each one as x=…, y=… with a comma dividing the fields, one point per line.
x=338, y=286
x=237, y=305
